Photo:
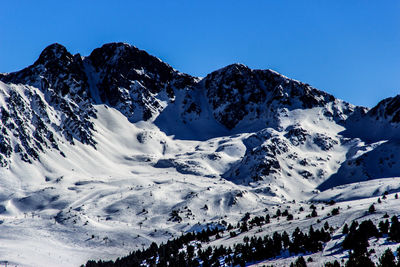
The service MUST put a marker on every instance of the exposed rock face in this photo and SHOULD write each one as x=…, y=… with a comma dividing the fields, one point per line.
x=382, y=122
x=291, y=153
x=133, y=81
x=27, y=121
x=236, y=92
x=388, y=109
x=57, y=85
x=297, y=135
x=57, y=69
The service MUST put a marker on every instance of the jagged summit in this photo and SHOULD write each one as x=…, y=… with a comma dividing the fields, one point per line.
x=236, y=92
x=138, y=84
x=120, y=65
x=387, y=109
x=234, y=67
x=53, y=52
x=125, y=74
x=112, y=53
x=381, y=122
x=55, y=68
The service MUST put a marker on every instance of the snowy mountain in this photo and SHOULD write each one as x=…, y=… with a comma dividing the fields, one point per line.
x=117, y=149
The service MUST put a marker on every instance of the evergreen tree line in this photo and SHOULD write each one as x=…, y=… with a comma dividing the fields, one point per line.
x=358, y=234
x=181, y=251
x=387, y=259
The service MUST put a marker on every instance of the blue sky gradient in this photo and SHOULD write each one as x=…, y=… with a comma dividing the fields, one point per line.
x=350, y=49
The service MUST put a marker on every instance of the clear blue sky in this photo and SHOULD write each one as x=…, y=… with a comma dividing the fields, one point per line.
x=348, y=48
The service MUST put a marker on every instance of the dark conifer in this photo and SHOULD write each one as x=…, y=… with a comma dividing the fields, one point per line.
x=300, y=262
x=387, y=259
x=335, y=211
x=371, y=209
x=278, y=213
x=334, y=264
x=394, y=233
x=357, y=260
x=345, y=230
x=267, y=218
x=314, y=213
x=384, y=226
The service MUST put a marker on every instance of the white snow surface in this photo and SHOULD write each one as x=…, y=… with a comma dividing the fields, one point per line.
x=103, y=202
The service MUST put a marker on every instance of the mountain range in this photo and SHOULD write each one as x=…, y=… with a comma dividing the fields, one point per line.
x=115, y=150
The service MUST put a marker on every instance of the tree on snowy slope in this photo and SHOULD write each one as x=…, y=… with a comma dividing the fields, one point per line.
x=387, y=259
x=394, y=233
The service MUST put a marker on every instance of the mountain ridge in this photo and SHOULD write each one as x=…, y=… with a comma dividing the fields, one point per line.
x=119, y=143
x=234, y=98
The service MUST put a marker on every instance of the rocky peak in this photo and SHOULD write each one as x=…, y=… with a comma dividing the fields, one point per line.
x=130, y=79
x=233, y=69
x=237, y=91
x=387, y=109
x=230, y=91
x=55, y=68
x=61, y=78
x=124, y=63
x=376, y=124
x=54, y=52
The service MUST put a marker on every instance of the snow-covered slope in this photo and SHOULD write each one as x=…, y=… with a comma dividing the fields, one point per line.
x=110, y=152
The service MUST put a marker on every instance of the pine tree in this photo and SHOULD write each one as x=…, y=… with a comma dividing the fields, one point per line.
x=278, y=213
x=345, y=230
x=384, y=226
x=394, y=233
x=243, y=227
x=398, y=256
x=387, y=259
x=334, y=264
x=285, y=239
x=371, y=209
x=300, y=262
x=335, y=211
x=357, y=260
x=314, y=213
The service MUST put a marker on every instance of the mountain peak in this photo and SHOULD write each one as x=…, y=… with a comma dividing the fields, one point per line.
x=233, y=68
x=113, y=51
x=114, y=45
x=121, y=65
x=388, y=108
x=237, y=66
x=53, y=52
